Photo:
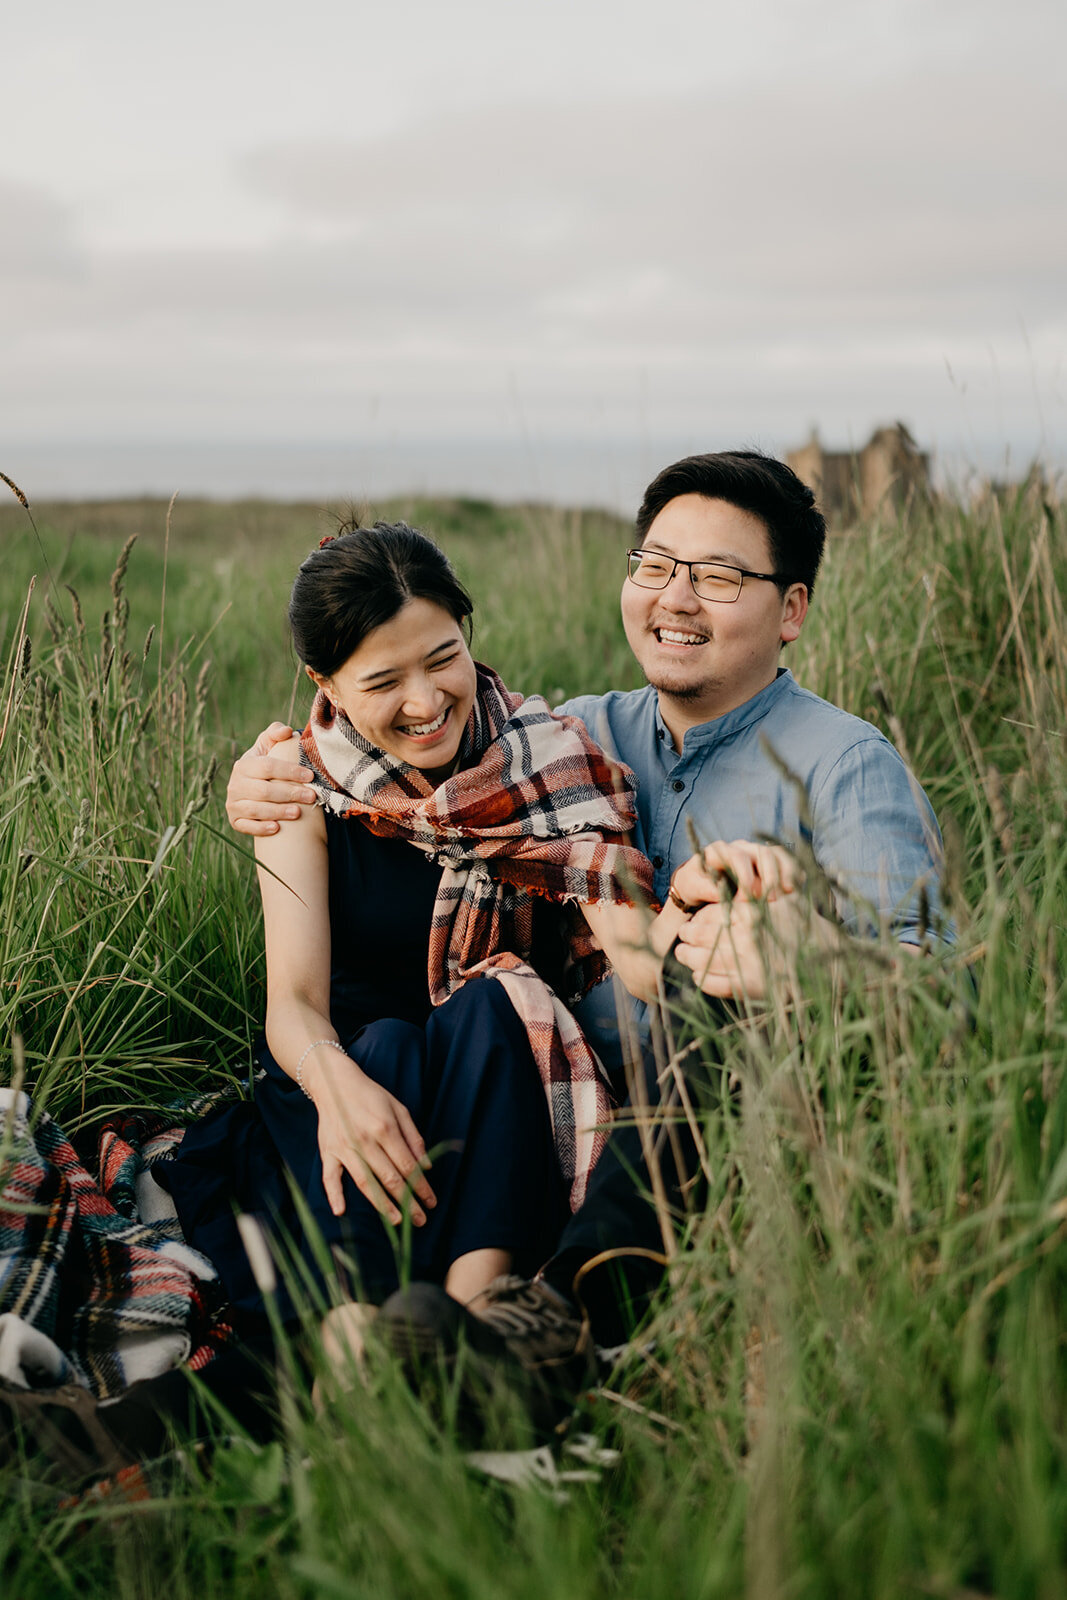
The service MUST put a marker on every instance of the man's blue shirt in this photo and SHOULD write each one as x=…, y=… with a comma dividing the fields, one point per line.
x=846, y=791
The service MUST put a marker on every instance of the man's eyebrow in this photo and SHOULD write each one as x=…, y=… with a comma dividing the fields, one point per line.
x=727, y=558
x=391, y=672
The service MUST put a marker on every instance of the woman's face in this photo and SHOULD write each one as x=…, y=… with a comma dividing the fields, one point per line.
x=409, y=687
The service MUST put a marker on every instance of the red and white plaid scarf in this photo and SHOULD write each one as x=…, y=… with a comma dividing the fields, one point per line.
x=535, y=808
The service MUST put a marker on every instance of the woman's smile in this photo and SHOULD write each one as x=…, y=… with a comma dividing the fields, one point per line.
x=424, y=729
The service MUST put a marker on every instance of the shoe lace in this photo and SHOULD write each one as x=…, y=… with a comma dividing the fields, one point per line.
x=527, y=1314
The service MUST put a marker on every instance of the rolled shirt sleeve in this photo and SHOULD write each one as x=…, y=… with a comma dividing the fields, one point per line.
x=875, y=836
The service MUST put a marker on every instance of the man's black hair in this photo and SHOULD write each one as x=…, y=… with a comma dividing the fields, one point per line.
x=758, y=484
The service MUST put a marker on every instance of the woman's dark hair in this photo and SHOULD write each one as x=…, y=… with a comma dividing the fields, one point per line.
x=362, y=578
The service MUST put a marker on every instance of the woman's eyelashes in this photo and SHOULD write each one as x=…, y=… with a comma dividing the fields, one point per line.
x=394, y=683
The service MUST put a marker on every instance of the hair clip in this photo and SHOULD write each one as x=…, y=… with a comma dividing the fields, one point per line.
x=330, y=537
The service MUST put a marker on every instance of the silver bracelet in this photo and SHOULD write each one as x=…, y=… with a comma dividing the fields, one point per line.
x=299, y=1072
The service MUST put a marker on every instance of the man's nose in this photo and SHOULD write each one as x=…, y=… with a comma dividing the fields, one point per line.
x=680, y=592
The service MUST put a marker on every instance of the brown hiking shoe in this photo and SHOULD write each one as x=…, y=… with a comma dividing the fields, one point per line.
x=514, y=1338
x=540, y=1328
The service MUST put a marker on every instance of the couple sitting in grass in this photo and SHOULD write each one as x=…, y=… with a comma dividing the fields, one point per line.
x=448, y=871
x=418, y=1052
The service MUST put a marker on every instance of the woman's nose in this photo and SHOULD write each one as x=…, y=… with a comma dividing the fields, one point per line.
x=423, y=701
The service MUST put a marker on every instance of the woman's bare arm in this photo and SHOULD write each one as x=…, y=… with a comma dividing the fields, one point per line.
x=635, y=940
x=363, y=1129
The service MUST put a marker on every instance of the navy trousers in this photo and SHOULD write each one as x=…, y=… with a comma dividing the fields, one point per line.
x=470, y=1082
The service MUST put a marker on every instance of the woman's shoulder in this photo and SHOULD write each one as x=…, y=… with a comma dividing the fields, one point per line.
x=289, y=750
x=297, y=834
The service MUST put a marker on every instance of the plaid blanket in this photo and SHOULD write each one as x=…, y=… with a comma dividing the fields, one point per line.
x=536, y=808
x=97, y=1286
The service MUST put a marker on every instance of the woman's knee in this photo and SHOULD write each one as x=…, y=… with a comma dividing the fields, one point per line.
x=393, y=1053
x=478, y=1039
x=388, y=1033
x=480, y=998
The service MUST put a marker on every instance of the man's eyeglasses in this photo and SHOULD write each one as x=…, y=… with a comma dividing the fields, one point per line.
x=711, y=580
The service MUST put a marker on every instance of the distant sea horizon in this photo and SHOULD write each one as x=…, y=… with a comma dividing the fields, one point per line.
x=606, y=472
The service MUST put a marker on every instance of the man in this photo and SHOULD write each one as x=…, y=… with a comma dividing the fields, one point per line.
x=723, y=741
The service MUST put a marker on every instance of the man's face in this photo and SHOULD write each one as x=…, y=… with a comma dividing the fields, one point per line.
x=705, y=657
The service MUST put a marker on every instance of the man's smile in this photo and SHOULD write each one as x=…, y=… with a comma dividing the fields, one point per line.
x=679, y=637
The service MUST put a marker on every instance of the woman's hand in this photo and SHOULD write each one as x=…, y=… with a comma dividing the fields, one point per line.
x=635, y=943
x=366, y=1132
x=752, y=871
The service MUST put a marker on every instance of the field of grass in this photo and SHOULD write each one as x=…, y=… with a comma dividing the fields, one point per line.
x=859, y=1383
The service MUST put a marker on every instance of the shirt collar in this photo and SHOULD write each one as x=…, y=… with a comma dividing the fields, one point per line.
x=730, y=722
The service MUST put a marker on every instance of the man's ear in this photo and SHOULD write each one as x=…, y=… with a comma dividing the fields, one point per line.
x=794, y=610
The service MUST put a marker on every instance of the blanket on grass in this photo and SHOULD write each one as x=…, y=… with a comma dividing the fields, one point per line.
x=97, y=1286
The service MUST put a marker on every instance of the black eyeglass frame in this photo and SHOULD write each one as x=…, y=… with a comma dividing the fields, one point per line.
x=723, y=566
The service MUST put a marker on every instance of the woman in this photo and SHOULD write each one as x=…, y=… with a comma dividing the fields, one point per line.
x=415, y=1058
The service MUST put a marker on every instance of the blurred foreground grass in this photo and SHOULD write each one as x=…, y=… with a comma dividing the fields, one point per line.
x=858, y=1385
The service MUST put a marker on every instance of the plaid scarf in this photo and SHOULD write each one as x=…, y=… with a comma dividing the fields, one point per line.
x=536, y=808
x=90, y=1291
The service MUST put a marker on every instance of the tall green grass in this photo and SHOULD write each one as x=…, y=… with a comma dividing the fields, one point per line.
x=858, y=1383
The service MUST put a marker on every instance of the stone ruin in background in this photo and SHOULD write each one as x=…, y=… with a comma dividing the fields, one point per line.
x=885, y=475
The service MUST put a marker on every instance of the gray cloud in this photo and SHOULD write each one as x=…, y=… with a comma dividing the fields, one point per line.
x=909, y=181
x=776, y=255
x=37, y=238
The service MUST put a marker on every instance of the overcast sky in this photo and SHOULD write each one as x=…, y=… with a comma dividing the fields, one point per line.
x=333, y=247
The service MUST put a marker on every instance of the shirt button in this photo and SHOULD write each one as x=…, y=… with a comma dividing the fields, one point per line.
x=678, y=785
x=657, y=862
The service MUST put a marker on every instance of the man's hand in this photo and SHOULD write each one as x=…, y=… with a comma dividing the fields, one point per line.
x=752, y=871
x=263, y=792
x=730, y=948
x=742, y=949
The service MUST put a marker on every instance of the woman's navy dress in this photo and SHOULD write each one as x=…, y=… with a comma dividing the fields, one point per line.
x=464, y=1070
